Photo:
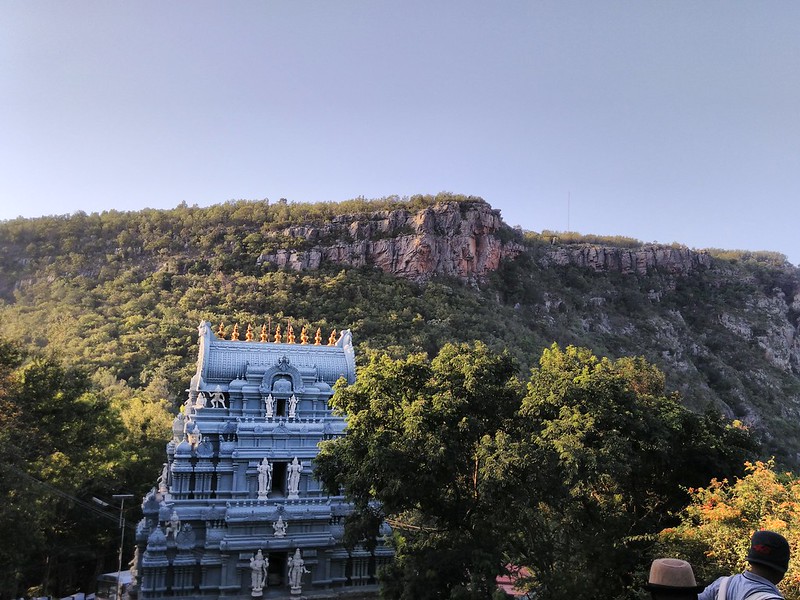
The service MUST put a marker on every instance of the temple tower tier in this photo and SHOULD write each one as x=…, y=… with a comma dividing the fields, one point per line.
x=237, y=511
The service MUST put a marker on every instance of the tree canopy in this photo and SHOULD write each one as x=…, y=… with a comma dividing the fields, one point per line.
x=474, y=473
x=62, y=442
x=715, y=528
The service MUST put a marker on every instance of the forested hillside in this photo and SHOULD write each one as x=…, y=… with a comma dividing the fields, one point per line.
x=115, y=298
x=121, y=294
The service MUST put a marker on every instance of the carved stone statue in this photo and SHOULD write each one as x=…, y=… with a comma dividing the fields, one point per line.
x=185, y=538
x=218, y=398
x=188, y=406
x=134, y=564
x=259, y=565
x=163, y=479
x=297, y=567
x=279, y=527
x=178, y=427
x=201, y=401
x=292, y=406
x=264, y=478
x=195, y=437
x=293, y=475
x=173, y=525
x=269, y=404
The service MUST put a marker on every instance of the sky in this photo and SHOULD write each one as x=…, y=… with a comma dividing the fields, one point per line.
x=663, y=121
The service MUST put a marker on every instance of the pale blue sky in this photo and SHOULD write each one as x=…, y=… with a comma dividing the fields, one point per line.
x=662, y=120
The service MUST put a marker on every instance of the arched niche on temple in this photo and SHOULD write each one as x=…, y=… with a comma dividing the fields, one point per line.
x=282, y=379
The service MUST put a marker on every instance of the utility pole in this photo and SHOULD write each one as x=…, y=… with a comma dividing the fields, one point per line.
x=121, y=498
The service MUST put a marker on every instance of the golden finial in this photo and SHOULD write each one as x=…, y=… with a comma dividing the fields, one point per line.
x=290, y=334
x=318, y=337
x=249, y=335
x=332, y=339
x=278, y=333
x=264, y=336
x=235, y=332
x=221, y=330
x=303, y=335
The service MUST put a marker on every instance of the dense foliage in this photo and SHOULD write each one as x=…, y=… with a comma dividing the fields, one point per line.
x=716, y=526
x=567, y=479
x=115, y=297
x=61, y=441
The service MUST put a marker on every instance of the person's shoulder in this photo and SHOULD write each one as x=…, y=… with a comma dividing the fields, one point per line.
x=710, y=593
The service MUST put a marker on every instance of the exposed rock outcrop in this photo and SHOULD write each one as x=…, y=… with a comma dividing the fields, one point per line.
x=451, y=238
x=457, y=239
x=677, y=261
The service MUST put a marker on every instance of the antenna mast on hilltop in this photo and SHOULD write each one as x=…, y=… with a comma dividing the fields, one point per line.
x=569, y=194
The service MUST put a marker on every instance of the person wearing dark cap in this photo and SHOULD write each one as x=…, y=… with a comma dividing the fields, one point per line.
x=672, y=579
x=769, y=559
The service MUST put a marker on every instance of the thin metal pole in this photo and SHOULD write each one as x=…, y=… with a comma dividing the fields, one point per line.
x=122, y=498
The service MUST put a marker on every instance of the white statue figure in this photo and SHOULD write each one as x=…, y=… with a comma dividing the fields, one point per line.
x=163, y=479
x=178, y=427
x=264, y=478
x=195, y=437
x=269, y=404
x=201, y=401
x=134, y=564
x=297, y=567
x=293, y=475
x=259, y=565
x=173, y=525
x=292, y=406
x=279, y=527
x=188, y=407
x=218, y=398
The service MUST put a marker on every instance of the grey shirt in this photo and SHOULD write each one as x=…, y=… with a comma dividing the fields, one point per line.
x=741, y=586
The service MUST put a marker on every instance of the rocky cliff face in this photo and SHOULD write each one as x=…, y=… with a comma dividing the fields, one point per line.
x=461, y=240
x=446, y=239
x=723, y=328
x=677, y=261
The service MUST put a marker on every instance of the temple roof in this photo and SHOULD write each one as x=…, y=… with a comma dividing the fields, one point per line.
x=221, y=361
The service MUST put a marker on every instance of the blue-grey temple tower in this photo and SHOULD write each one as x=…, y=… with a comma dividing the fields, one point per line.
x=237, y=511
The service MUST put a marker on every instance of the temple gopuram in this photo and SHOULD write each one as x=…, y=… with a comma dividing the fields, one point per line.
x=237, y=511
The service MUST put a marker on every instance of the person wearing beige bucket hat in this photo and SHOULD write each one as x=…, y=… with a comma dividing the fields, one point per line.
x=672, y=579
x=769, y=560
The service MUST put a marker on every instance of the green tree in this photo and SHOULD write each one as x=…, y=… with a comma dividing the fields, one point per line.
x=716, y=525
x=571, y=481
x=612, y=455
x=422, y=440
x=56, y=444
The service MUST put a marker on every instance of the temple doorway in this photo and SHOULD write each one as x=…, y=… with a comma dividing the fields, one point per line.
x=276, y=574
x=279, y=478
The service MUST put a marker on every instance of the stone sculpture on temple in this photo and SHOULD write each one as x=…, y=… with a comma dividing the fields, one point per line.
x=297, y=569
x=264, y=478
x=293, y=478
x=259, y=565
x=279, y=527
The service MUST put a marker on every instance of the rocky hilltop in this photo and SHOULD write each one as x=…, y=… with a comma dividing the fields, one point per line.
x=121, y=293
x=448, y=238
x=677, y=261
x=696, y=315
x=467, y=241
